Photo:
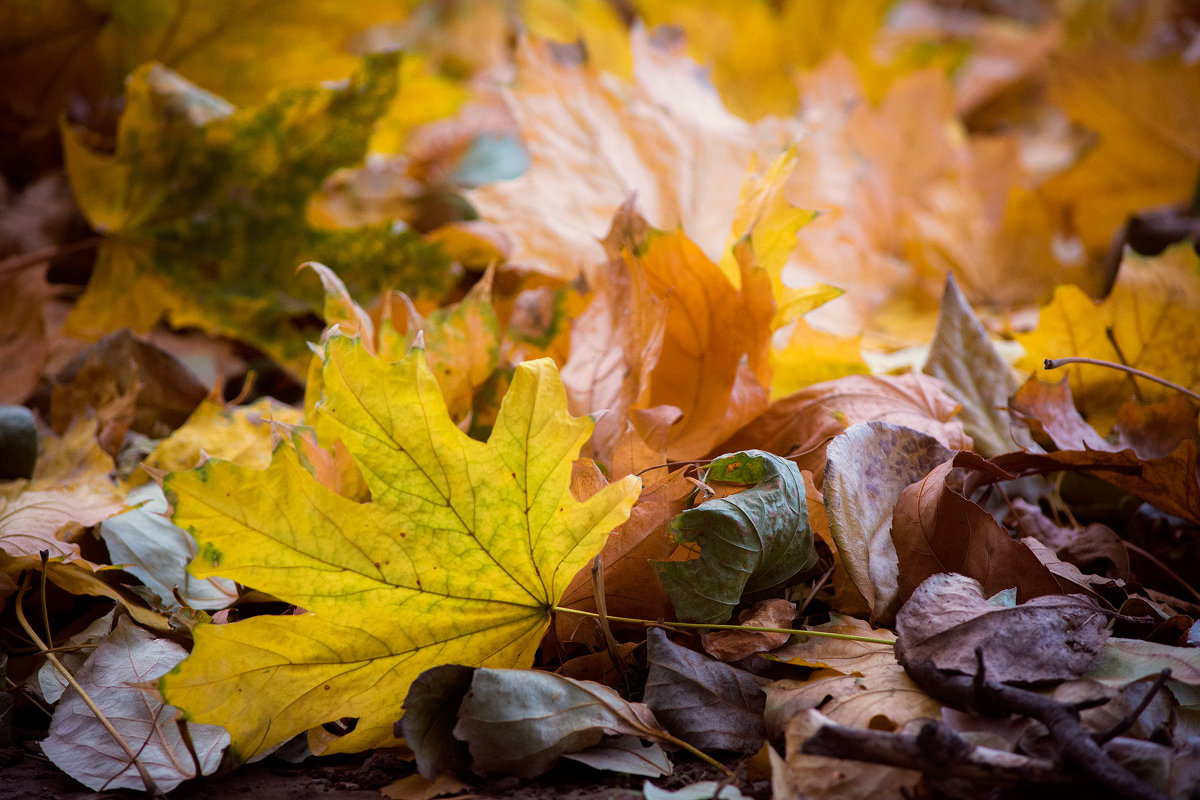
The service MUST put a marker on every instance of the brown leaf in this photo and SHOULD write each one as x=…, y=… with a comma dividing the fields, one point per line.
x=1049, y=638
x=936, y=529
x=1048, y=409
x=802, y=424
x=707, y=703
x=630, y=584
x=736, y=645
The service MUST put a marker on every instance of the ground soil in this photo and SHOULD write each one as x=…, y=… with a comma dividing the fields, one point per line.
x=26, y=775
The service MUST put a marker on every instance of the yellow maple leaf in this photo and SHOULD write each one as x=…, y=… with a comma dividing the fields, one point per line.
x=1150, y=321
x=1144, y=116
x=458, y=557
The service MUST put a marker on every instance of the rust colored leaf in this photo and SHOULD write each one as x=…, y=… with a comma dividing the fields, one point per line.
x=937, y=529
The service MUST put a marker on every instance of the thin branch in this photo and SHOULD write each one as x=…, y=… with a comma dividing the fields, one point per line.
x=26, y=260
x=147, y=780
x=706, y=626
x=1055, y=363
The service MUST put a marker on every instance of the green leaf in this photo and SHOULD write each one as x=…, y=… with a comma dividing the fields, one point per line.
x=748, y=542
x=203, y=210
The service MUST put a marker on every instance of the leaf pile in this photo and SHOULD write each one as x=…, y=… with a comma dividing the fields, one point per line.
x=664, y=381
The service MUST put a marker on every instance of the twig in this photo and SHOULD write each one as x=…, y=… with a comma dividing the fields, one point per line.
x=706, y=626
x=26, y=260
x=1156, y=561
x=151, y=787
x=602, y=607
x=1127, y=723
x=1055, y=363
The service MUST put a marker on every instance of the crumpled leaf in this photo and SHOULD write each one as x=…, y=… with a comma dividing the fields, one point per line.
x=1152, y=313
x=458, y=557
x=1048, y=638
x=80, y=746
x=704, y=702
x=936, y=529
x=202, y=208
x=867, y=469
x=519, y=722
x=666, y=139
x=1123, y=661
x=963, y=356
x=747, y=542
x=144, y=543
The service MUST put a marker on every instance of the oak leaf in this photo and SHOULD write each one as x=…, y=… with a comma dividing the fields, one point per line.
x=457, y=558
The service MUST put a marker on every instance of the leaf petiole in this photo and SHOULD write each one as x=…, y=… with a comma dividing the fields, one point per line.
x=1055, y=363
x=706, y=626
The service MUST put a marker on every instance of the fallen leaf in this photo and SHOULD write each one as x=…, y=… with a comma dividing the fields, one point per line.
x=948, y=620
x=430, y=714
x=418, y=787
x=1148, y=321
x=713, y=365
x=936, y=529
x=747, y=542
x=70, y=490
x=114, y=676
x=1141, y=112
x=703, y=790
x=802, y=424
x=519, y=722
x=144, y=543
x=1123, y=661
x=383, y=606
x=842, y=655
x=736, y=645
x=242, y=434
x=626, y=754
x=631, y=586
x=667, y=139
x=868, y=468
x=197, y=192
x=704, y=702
x=963, y=356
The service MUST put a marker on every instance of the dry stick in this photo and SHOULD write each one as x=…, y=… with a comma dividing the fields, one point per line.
x=1055, y=363
x=27, y=260
x=602, y=607
x=706, y=626
x=1112, y=339
x=1156, y=561
x=151, y=786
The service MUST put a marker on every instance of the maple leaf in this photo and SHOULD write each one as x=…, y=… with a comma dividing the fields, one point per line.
x=666, y=138
x=235, y=49
x=1149, y=322
x=1144, y=115
x=457, y=558
x=203, y=206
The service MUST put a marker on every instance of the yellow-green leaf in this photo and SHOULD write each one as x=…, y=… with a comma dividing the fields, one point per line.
x=457, y=558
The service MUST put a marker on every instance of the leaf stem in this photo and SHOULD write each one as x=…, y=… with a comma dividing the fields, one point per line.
x=1055, y=363
x=707, y=626
x=151, y=787
x=26, y=260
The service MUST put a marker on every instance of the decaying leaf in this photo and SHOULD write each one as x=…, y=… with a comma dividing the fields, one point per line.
x=936, y=529
x=202, y=208
x=1048, y=638
x=84, y=749
x=965, y=359
x=736, y=645
x=520, y=722
x=383, y=603
x=747, y=542
x=704, y=702
x=868, y=468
